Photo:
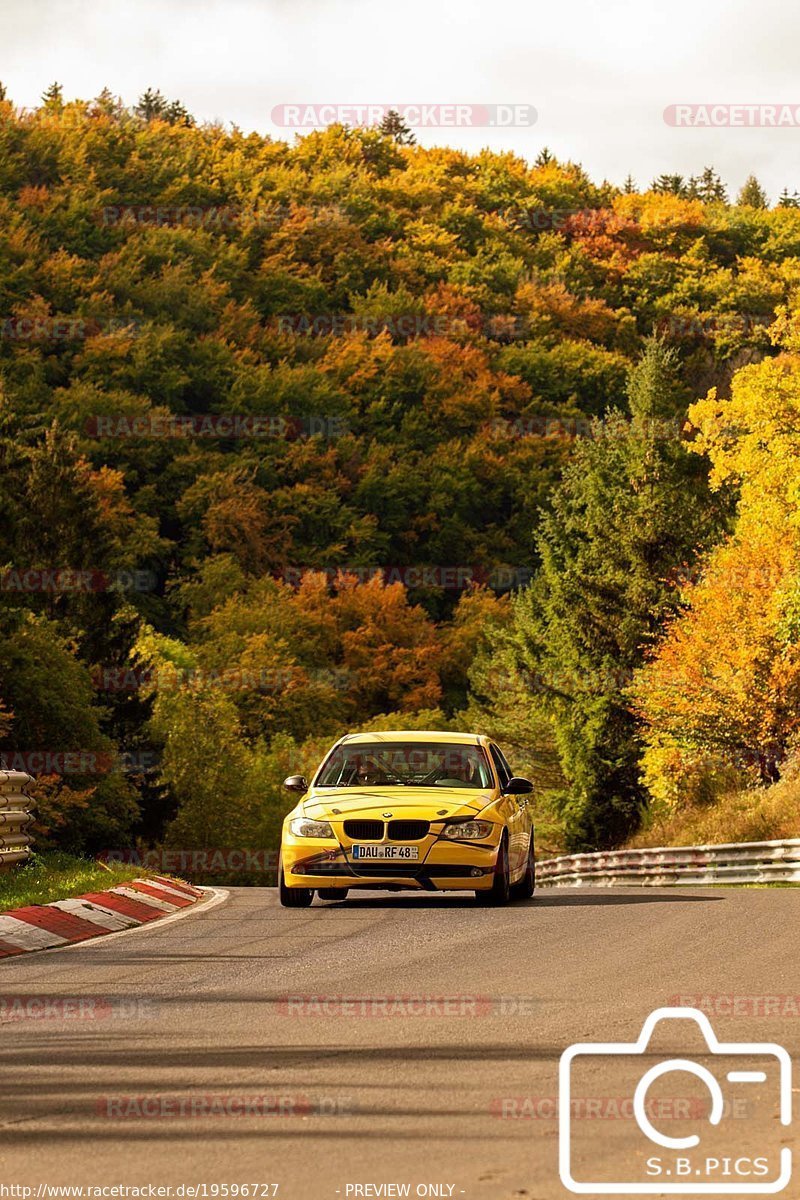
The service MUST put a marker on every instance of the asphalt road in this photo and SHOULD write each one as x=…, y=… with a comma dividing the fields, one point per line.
x=378, y=1099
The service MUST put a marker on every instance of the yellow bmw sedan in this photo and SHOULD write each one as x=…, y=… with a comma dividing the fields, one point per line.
x=424, y=811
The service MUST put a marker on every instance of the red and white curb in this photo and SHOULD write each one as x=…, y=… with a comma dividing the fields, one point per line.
x=50, y=926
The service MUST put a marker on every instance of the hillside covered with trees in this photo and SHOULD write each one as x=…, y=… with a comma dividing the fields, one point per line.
x=348, y=433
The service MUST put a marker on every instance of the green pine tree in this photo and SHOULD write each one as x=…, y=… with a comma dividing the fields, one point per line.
x=708, y=187
x=176, y=113
x=53, y=98
x=153, y=106
x=107, y=105
x=752, y=194
x=632, y=509
x=394, y=127
x=669, y=185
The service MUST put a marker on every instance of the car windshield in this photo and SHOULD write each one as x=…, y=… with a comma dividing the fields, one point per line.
x=413, y=764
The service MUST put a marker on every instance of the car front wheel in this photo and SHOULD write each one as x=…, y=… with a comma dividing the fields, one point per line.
x=292, y=897
x=527, y=885
x=500, y=891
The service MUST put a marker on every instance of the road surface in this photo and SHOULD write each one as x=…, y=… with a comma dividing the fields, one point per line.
x=195, y=1012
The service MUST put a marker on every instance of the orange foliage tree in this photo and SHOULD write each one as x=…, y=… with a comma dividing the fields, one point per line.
x=720, y=698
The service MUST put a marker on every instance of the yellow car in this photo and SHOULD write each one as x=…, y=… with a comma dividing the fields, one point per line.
x=427, y=811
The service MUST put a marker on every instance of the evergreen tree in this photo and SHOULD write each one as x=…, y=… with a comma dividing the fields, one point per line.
x=788, y=201
x=394, y=126
x=629, y=186
x=544, y=158
x=669, y=185
x=632, y=509
x=53, y=98
x=153, y=106
x=107, y=104
x=752, y=194
x=3, y=92
x=176, y=113
x=708, y=187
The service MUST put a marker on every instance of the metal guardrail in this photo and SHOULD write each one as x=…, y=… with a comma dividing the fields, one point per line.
x=15, y=818
x=745, y=862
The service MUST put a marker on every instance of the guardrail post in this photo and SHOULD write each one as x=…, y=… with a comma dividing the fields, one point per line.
x=15, y=818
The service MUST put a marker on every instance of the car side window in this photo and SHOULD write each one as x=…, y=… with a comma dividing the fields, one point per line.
x=501, y=766
x=505, y=763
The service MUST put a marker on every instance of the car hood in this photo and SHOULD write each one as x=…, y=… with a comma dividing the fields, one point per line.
x=421, y=802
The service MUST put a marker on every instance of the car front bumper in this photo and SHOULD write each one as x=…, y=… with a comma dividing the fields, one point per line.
x=443, y=865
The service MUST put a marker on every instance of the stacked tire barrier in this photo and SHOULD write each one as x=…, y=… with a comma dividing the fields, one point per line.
x=15, y=818
x=746, y=862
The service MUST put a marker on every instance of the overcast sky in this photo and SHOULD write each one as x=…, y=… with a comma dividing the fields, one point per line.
x=598, y=72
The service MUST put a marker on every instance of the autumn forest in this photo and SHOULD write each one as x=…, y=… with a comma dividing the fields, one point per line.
x=347, y=433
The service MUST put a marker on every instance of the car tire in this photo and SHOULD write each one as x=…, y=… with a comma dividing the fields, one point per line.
x=500, y=891
x=293, y=897
x=527, y=885
x=332, y=893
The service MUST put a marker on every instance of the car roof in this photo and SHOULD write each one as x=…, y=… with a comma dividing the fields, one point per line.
x=416, y=735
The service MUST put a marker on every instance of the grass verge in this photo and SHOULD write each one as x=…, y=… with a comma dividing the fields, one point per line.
x=756, y=815
x=57, y=876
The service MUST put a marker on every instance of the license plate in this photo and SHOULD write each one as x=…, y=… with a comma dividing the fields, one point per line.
x=382, y=851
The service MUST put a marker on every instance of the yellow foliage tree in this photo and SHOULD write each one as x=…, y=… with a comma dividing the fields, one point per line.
x=720, y=697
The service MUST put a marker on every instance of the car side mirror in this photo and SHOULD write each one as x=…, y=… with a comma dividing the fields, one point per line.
x=517, y=786
x=296, y=783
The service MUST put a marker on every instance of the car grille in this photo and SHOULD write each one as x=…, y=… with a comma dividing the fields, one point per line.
x=389, y=870
x=408, y=831
x=399, y=831
x=368, y=831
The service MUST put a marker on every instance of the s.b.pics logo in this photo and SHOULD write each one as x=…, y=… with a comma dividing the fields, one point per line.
x=732, y=1101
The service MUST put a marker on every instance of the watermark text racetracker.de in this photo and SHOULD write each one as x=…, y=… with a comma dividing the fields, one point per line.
x=78, y=762
x=176, y=861
x=64, y=328
x=30, y=1008
x=448, y=577
x=62, y=580
x=198, y=1106
x=403, y=1006
x=610, y=1108
x=264, y=680
x=729, y=1004
x=222, y=426
x=414, y=115
x=733, y=116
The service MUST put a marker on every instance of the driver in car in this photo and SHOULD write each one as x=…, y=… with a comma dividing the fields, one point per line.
x=369, y=774
x=456, y=768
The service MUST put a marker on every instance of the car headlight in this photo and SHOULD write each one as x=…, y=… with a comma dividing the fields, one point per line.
x=304, y=827
x=473, y=831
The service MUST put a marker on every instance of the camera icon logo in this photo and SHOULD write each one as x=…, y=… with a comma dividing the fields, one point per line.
x=717, y=1143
